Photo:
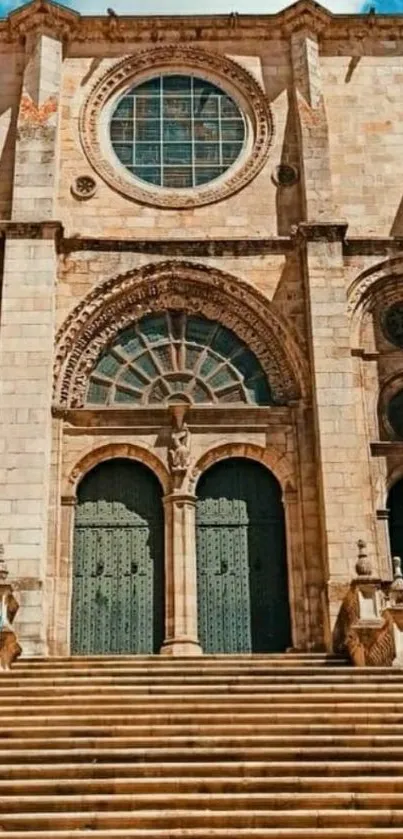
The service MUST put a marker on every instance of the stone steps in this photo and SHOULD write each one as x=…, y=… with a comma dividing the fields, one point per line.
x=213, y=769
x=208, y=748
x=199, y=784
x=189, y=819
x=113, y=731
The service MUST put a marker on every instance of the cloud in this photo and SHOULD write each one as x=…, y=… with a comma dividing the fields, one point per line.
x=193, y=6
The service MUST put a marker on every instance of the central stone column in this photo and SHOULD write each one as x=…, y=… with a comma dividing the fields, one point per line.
x=181, y=637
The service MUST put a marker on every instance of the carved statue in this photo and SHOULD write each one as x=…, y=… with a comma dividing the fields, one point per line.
x=180, y=449
x=9, y=646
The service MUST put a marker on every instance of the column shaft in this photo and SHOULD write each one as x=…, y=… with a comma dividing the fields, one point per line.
x=181, y=584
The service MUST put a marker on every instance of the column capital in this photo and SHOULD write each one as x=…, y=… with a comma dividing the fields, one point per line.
x=179, y=498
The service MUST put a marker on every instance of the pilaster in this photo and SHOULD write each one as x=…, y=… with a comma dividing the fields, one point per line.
x=343, y=468
x=26, y=362
x=181, y=635
x=37, y=146
x=341, y=453
x=312, y=126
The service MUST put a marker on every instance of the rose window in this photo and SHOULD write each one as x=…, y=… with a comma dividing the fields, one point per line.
x=177, y=131
x=171, y=358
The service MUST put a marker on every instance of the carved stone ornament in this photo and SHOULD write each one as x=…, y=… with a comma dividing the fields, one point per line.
x=218, y=69
x=179, y=452
x=196, y=289
x=42, y=17
x=10, y=649
x=363, y=565
x=285, y=175
x=84, y=187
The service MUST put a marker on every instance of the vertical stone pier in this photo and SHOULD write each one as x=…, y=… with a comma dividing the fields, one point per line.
x=27, y=332
x=343, y=467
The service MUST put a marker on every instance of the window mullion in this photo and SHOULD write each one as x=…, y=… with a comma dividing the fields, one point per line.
x=134, y=155
x=192, y=129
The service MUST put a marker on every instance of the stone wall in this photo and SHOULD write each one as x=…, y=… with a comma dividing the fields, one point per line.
x=319, y=251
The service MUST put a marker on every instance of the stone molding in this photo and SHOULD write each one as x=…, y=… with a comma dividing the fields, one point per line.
x=275, y=461
x=372, y=280
x=40, y=17
x=196, y=289
x=31, y=229
x=320, y=231
x=215, y=68
x=108, y=451
x=390, y=387
x=43, y=15
x=376, y=288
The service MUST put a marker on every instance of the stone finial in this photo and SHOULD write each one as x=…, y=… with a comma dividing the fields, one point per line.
x=363, y=565
x=397, y=584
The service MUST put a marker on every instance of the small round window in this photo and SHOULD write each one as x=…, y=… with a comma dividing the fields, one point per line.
x=177, y=132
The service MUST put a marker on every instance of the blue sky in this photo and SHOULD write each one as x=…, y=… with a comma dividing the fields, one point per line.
x=208, y=6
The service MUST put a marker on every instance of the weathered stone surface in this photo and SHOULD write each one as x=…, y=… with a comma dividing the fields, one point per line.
x=302, y=273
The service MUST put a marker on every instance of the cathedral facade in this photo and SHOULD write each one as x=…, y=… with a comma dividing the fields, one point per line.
x=201, y=338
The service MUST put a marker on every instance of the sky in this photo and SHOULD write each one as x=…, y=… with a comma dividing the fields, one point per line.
x=209, y=6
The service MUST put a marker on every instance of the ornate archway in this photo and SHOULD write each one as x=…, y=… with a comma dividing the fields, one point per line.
x=184, y=287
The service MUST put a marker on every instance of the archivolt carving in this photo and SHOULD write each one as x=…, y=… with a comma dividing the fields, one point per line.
x=381, y=283
x=113, y=450
x=195, y=289
x=391, y=386
x=274, y=460
x=213, y=67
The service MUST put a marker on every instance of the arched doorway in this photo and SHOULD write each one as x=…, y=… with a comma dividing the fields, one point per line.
x=241, y=560
x=118, y=588
x=395, y=506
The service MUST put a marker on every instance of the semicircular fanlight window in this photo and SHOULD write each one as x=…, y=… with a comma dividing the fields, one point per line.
x=170, y=358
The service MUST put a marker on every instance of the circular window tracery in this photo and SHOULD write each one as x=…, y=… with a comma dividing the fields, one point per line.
x=174, y=358
x=393, y=324
x=234, y=160
x=177, y=131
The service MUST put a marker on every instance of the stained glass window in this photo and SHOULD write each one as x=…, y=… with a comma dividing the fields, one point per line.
x=171, y=358
x=177, y=131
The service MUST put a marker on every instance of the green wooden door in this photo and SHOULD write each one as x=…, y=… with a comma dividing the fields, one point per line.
x=118, y=591
x=241, y=560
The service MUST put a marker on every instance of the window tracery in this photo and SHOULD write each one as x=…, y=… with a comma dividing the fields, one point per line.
x=177, y=131
x=176, y=358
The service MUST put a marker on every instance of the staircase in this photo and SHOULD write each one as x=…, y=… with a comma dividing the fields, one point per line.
x=227, y=747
